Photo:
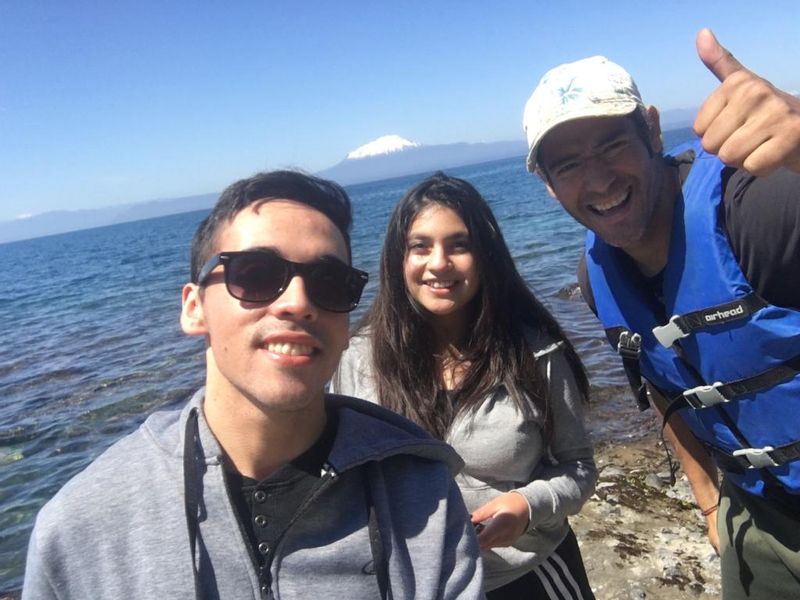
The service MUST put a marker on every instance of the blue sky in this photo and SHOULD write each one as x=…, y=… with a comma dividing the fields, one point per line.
x=103, y=103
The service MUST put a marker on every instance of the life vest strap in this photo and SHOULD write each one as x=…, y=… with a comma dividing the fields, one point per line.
x=705, y=396
x=743, y=459
x=755, y=458
x=679, y=326
x=629, y=346
x=708, y=395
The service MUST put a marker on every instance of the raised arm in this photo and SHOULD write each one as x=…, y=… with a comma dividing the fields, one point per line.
x=746, y=121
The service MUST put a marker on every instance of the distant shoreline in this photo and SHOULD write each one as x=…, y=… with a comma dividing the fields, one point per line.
x=416, y=161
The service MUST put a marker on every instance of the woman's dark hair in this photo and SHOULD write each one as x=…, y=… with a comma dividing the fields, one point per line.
x=505, y=313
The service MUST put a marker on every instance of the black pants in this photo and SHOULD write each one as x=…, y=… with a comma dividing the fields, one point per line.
x=561, y=576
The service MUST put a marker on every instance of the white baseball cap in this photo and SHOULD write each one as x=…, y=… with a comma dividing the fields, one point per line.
x=591, y=87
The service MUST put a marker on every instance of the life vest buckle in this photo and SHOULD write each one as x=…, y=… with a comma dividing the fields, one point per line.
x=629, y=345
x=667, y=334
x=758, y=458
x=703, y=396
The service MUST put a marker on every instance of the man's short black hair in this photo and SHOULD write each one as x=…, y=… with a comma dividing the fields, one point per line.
x=325, y=196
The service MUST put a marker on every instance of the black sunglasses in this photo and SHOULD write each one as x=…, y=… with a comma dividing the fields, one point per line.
x=262, y=276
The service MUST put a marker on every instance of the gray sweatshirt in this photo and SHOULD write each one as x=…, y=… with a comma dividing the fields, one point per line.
x=118, y=529
x=504, y=451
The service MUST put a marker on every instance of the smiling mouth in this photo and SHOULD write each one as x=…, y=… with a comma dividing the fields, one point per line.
x=289, y=349
x=606, y=207
x=440, y=285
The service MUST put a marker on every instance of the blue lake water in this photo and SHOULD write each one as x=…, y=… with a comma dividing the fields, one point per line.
x=90, y=342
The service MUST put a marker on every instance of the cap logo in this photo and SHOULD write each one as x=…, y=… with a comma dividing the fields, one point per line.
x=569, y=93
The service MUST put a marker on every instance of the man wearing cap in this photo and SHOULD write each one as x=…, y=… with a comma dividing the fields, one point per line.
x=692, y=264
x=262, y=485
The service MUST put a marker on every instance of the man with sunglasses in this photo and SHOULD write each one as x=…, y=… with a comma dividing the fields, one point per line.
x=263, y=486
x=692, y=264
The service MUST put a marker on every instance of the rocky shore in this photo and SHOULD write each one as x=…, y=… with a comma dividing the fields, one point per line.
x=640, y=537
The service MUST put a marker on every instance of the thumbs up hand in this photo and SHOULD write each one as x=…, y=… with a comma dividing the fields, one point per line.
x=746, y=121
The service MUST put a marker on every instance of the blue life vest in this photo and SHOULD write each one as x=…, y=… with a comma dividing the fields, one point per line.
x=730, y=359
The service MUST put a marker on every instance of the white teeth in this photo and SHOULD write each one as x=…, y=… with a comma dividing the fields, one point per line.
x=440, y=285
x=290, y=349
x=610, y=204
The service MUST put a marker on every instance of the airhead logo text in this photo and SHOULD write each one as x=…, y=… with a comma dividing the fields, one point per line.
x=725, y=314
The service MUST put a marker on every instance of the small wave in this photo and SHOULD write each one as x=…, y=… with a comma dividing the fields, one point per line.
x=9, y=367
x=14, y=436
x=42, y=385
x=614, y=416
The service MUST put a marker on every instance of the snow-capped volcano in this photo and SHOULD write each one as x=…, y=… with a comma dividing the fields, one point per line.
x=393, y=156
x=383, y=145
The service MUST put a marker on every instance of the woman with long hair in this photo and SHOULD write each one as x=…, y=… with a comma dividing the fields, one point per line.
x=456, y=342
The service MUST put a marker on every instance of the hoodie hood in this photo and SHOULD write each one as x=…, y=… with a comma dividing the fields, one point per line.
x=366, y=432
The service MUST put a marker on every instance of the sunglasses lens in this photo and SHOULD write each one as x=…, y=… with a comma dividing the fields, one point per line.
x=263, y=276
x=335, y=287
x=256, y=277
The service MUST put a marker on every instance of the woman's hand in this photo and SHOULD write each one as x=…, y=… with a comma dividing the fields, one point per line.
x=507, y=517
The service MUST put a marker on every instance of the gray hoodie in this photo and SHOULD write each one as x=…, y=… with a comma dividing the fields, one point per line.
x=505, y=451
x=118, y=529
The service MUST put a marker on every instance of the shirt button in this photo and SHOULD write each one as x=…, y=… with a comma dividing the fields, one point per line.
x=260, y=496
x=263, y=548
x=260, y=520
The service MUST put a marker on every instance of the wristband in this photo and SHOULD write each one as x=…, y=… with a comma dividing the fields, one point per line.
x=707, y=511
